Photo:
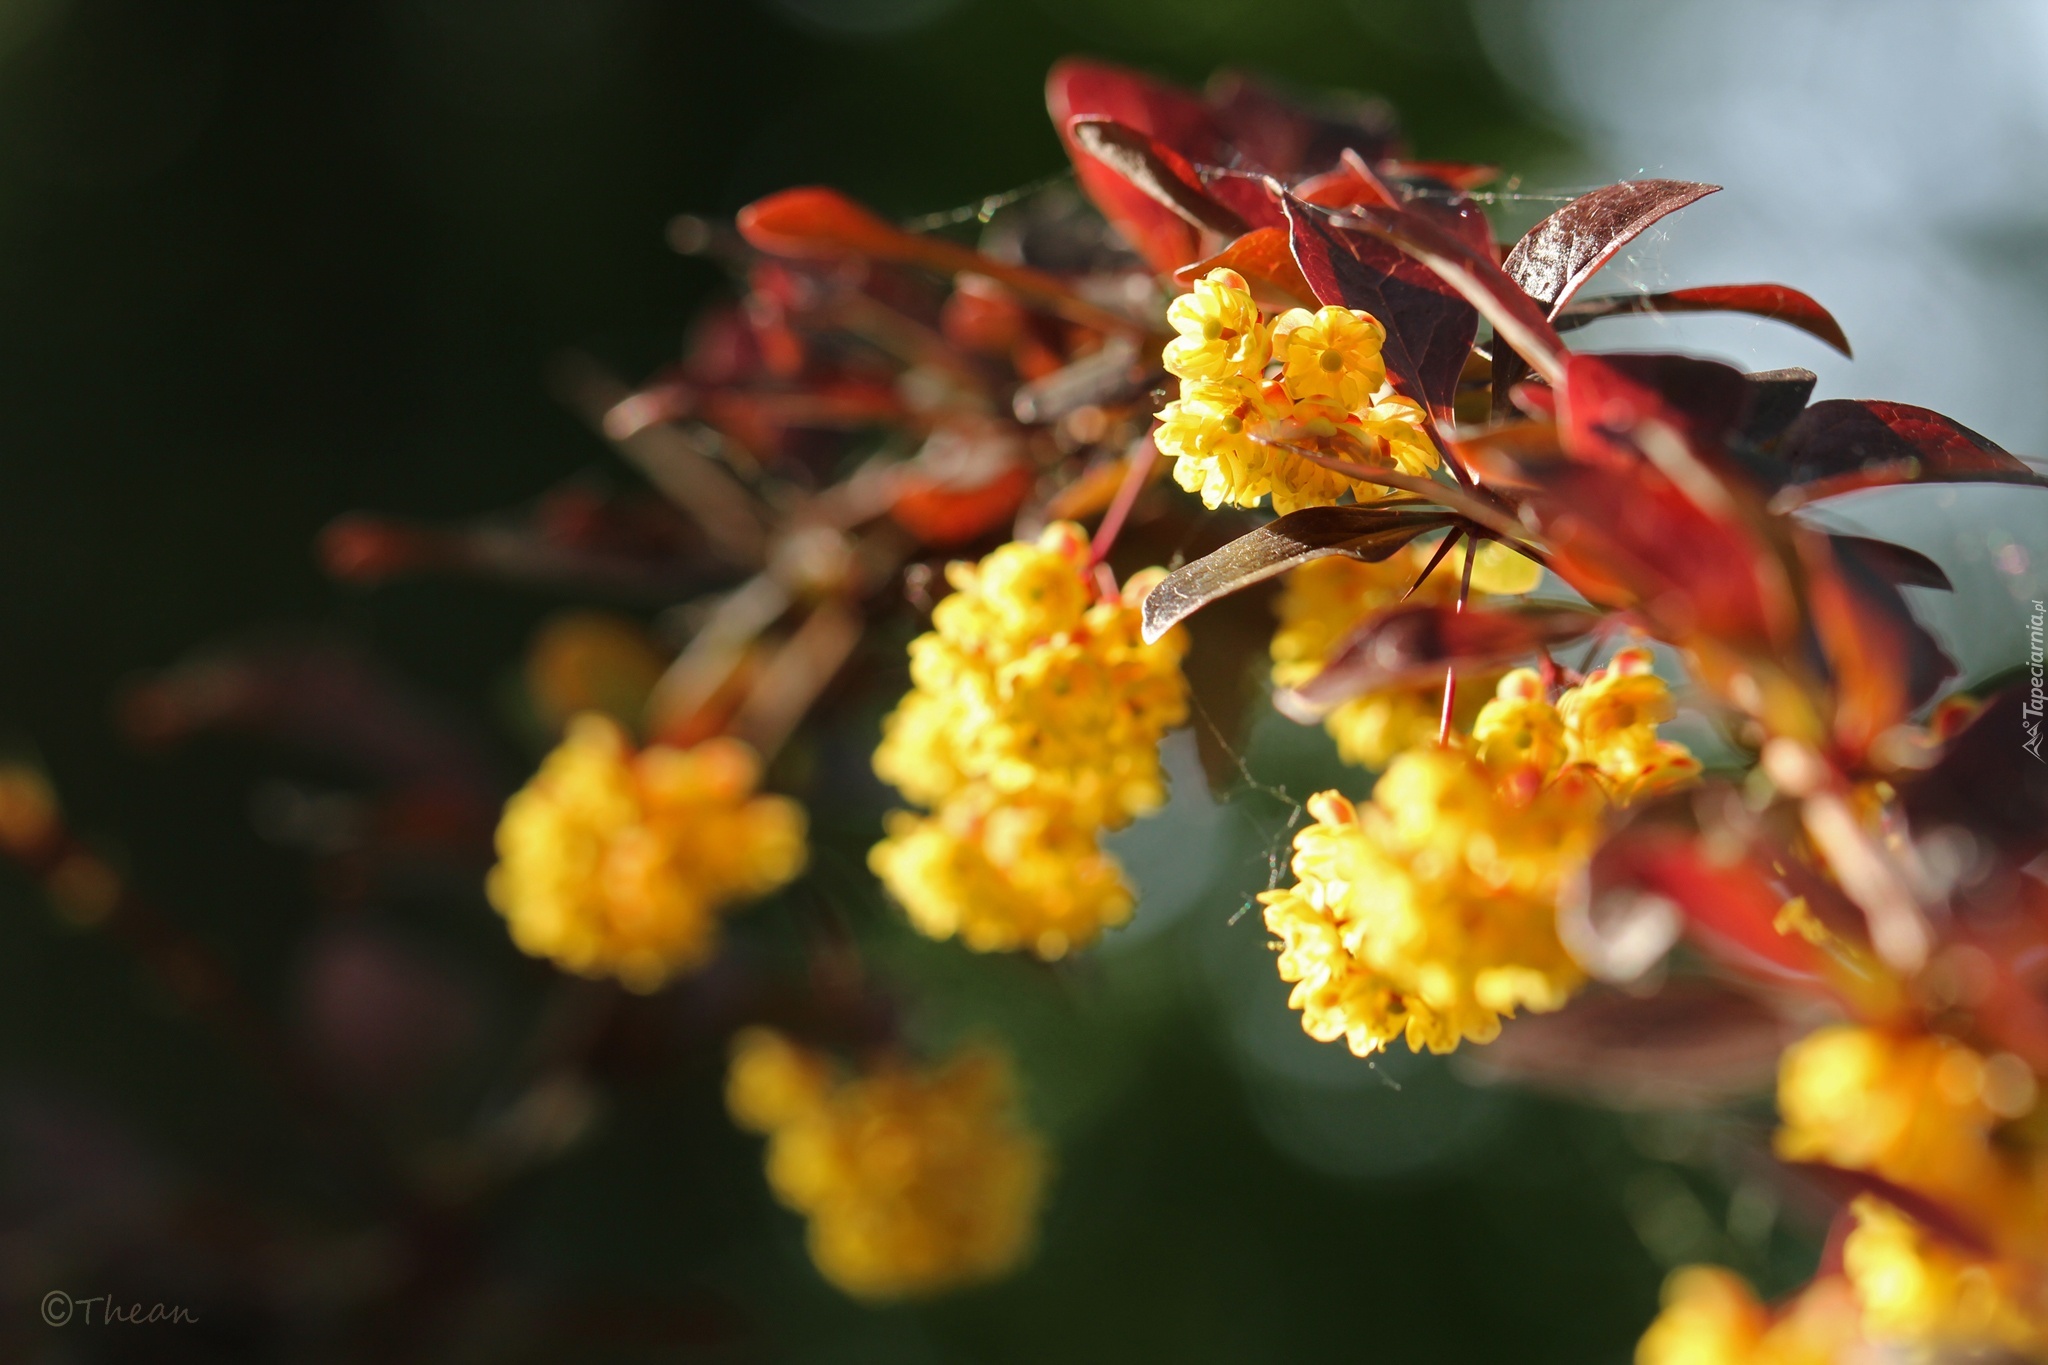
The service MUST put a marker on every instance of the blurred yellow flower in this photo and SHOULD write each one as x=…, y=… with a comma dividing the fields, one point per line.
x=1032, y=725
x=1711, y=1317
x=1002, y=874
x=1917, y=1290
x=913, y=1181
x=613, y=862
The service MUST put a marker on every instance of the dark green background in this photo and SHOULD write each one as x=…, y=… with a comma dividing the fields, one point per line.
x=262, y=263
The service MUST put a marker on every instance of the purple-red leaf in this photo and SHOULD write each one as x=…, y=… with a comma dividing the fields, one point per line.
x=1604, y=399
x=1408, y=645
x=1780, y=303
x=1555, y=258
x=1430, y=327
x=1367, y=533
x=1844, y=444
x=1162, y=173
x=1991, y=780
x=1469, y=268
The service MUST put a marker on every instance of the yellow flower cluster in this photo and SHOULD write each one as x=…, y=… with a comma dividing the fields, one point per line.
x=1430, y=911
x=1324, y=600
x=1923, y=1113
x=1314, y=380
x=1711, y=1317
x=913, y=1182
x=613, y=862
x=1033, y=725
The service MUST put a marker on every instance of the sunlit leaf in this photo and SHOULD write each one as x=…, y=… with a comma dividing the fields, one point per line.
x=1366, y=533
x=1162, y=173
x=1555, y=258
x=1882, y=663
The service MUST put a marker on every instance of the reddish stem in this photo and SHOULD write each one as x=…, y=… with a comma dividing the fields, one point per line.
x=1137, y=469
x=1443, y=729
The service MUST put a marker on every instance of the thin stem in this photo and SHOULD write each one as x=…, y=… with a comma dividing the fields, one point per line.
x=1138, y=461
x=1443, y=729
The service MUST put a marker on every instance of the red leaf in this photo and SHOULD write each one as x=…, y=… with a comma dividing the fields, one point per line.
x=1604, y=399
x=1468, y=266
x=1163, y=174
x=1077, y=89
x=1882, y=662
x=1555, y=258
x=1281, y=138
x=941, y=514
x=1779, y=302
x=1730, y=906
x=1407, y=645
x=1430, y=328
x=1844, y=444
x=1263, y=256
x=814, y=222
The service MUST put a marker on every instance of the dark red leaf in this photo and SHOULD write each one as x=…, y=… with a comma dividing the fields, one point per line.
x=1844, y=444
x=1430, y=327
x=1252, y=197
x=1991, y=781
x=1604, y=399
x=1467, y=265
x=1162, y=173
x=814, y=222
x=1078, y=88
x=1555, y=258
x=1277, y=136
x=1407, y=645
x=1776, y=398
x=1367, y=533
x=1881, y=661
x=1895, y=564
x=1781, y=303
x=1264, y=256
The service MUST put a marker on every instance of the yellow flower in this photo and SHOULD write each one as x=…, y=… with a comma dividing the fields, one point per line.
x=1918, y=1110
x=1331, y=353
x=1229, y=431
x=913, y=1181
x=1430, y=912
x=1002, y=874
x=1711, y=1317
x=1220, y=334
x=1611, y=722
x=1917, y=1290
x=616, y=863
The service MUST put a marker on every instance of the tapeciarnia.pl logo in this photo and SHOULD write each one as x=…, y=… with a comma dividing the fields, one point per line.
x=2037, y=694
